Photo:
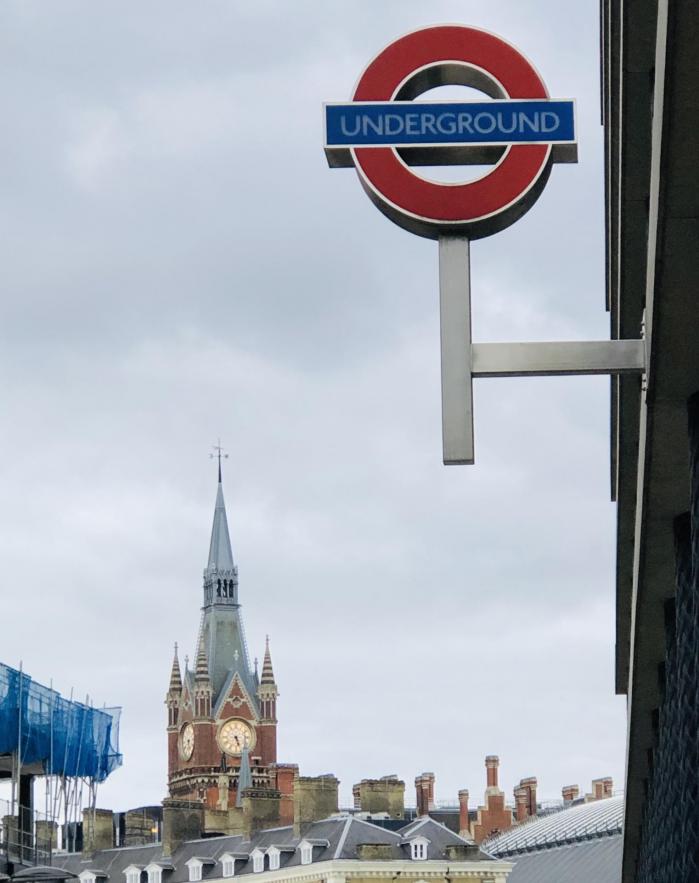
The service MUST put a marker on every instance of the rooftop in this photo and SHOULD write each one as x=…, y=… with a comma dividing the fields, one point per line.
x=581, y=822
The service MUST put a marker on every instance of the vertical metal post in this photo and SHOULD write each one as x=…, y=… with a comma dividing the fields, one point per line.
x=455, y=333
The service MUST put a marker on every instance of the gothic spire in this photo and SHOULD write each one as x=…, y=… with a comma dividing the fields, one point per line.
x=267, y=672
x=220, y=552
x=175, y=674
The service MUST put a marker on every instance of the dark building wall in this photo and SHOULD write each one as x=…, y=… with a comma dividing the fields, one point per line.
x=669, y=842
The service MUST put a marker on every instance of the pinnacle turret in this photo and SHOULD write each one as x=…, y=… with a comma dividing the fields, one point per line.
x=175, y=675
x=267, y=671
x=202, y=682
x=267, y=690
x=174, y=693
x=201, y=671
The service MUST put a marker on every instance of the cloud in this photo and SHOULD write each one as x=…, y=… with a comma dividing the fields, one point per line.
x=180, y=264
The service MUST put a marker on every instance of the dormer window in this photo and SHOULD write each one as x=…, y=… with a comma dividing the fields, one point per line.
x=132, y=874
x=87, y=877
x=258, y=861
x=306, y=851
x=227, y=865
x=274, y=855
x=418, y=849
x=194, y=866
x=155, y=874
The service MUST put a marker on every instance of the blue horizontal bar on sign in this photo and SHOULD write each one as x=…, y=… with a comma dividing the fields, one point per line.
x=410, y=123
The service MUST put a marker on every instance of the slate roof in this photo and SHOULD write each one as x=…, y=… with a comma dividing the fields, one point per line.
x=585, y=821
x=440, y=837
x=595, y=860
x=343, y=834
x=581, y=843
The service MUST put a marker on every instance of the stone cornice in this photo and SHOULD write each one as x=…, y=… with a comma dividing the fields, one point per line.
x=338, y=870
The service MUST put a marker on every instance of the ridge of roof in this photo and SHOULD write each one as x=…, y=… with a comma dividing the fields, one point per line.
x=442, y=826
x=343, y=837
x=375, y=827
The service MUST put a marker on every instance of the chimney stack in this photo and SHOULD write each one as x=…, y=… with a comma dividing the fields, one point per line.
x=570, y=793
x=530, y=785
x=601, y=788
x=98, y=830
x=386, y=794
x=492, y=762
x=464, y=824
x=424, y=792
x=521, y=804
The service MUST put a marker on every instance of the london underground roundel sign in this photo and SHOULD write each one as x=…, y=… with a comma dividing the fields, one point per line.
x=385, y=134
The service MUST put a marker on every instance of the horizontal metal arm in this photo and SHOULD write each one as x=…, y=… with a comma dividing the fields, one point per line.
x=566, y=357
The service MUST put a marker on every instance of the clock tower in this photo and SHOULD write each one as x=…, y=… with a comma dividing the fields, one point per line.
x=222, y=717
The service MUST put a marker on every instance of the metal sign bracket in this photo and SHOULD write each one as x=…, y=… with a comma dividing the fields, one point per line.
x=462, y=360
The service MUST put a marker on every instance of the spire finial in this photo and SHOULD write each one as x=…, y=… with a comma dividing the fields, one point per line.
x=220, y=453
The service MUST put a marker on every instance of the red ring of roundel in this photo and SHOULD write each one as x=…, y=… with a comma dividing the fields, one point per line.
x=450, y=202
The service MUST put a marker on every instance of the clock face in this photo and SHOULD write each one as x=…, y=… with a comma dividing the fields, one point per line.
x=235, y=735
x=186, y=741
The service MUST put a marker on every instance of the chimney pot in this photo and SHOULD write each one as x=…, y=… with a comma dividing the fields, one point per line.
x=464, y=824
x=492, y=762
x=530, y=786
x=598, y=789
x=570, y=793
x=521, y=803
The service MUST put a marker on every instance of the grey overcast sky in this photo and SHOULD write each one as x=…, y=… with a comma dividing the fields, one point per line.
x=179, y=264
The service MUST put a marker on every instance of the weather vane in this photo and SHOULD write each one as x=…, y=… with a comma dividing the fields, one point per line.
x=220, y=453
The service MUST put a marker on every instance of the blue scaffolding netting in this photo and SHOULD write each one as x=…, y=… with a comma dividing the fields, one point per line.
x=67, y=738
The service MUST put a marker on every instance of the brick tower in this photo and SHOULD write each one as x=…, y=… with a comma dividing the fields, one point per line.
x=222, y=718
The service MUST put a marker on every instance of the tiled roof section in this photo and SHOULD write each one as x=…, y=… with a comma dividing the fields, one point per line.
x=222, y=630
x=594, y=860
x=586, y=821
x=338, y=837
